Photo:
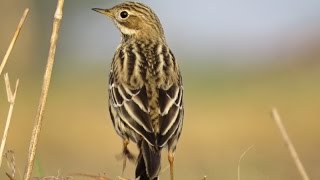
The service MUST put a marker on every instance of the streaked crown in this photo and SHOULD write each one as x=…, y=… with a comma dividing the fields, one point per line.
x=135, y=19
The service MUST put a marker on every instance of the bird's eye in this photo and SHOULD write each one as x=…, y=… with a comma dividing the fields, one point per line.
x=124, y=14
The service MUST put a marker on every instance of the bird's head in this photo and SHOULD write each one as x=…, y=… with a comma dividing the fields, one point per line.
x=134, y=20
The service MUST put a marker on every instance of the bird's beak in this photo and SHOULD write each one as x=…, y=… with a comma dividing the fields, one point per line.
x=103, y=11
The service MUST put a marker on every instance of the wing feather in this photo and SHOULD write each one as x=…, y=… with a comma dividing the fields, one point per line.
x=138, y=115
x=132, y=107
x=164, y=138
x=171, y=112
x=127, y=119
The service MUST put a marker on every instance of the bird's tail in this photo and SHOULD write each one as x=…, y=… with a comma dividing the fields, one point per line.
x=148, y=166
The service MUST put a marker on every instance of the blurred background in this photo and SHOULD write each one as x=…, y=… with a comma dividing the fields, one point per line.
x=238, y=59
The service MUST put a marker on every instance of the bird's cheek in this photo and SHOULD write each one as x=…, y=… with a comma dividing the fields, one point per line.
x=125, y=24
x=134, y=23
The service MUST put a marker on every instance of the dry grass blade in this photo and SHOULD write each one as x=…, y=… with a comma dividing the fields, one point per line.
x=45, y=89
x=241, y=157
x=289, y=144
x=15, y=36
x=11, y=99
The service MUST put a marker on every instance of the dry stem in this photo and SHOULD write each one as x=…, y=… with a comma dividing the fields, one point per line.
x=96, y=177
x=289, y=144
x=15, y=36
x=241, y=157
x=11, y=99
x=44, y=92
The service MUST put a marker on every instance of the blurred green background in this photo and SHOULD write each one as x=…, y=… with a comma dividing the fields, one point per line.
x=238, y=58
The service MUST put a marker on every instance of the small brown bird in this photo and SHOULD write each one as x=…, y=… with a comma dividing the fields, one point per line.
x=145, y=88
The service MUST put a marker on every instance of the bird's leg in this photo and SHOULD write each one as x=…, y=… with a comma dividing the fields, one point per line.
x=125, y=151
x=126, y=154
x=171, y=159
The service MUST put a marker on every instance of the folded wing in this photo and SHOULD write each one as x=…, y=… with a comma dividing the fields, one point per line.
x=132, y=107
x=171, y=112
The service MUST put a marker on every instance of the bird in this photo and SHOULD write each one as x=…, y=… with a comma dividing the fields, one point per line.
x=145, y=89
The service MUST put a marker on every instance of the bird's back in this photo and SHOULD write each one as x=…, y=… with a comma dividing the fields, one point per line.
x=150, y=65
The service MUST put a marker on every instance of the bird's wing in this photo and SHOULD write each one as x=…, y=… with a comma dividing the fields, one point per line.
x=171, y=112
x=132, y=107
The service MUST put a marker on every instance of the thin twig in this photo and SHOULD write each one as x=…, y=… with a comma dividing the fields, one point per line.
x=96, y=177
x=289, y=144
x=15, y=36
x=11, y=99
x=44, y=92
x=241, y=157
x=10, y=177
x=164, y=169
x=57, y=177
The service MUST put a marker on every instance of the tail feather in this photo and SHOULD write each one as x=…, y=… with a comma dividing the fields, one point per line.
x=148, y=166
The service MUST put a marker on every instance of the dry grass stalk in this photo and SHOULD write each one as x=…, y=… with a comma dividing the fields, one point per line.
x=11, y=99
x=241, y=157
x=57, y=177
x=44, y=92
x=96, y=177
x=289, y=144
x=15, y=36
x=10, y=177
